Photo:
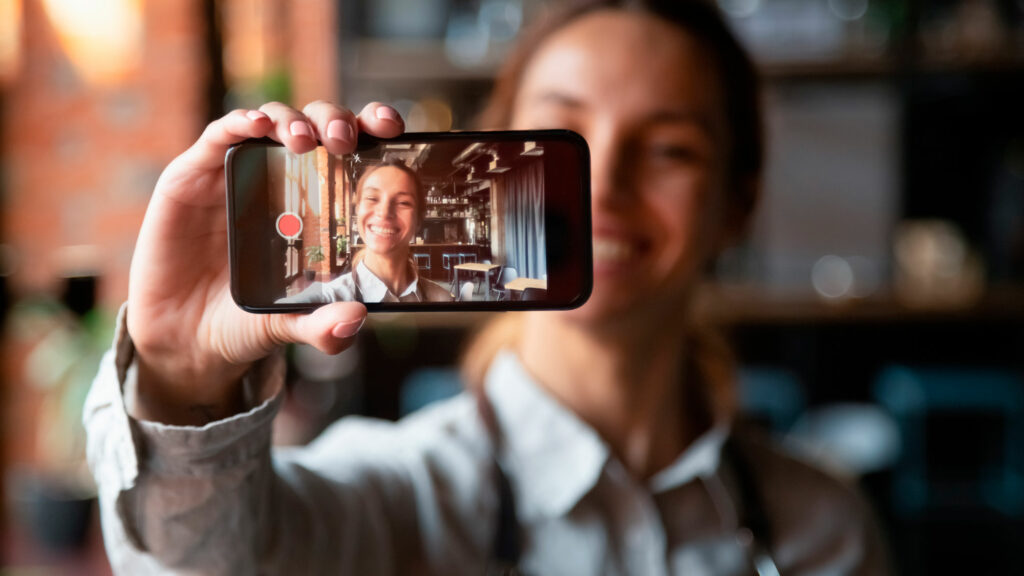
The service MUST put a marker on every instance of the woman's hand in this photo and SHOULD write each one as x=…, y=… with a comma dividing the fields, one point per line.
x=192, y=341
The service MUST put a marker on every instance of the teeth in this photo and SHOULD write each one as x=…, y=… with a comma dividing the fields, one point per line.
x=612, y=250
x=379, y=231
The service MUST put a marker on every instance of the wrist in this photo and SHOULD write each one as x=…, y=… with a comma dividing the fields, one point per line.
x=187, y=397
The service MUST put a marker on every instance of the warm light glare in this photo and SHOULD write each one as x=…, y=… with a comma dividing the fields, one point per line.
x=10, y=38
x=102, y=38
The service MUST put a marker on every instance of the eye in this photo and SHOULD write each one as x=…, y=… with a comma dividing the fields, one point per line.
x=405, y=204
x=673, y=152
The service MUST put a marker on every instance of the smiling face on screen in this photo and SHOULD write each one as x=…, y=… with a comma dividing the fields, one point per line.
x=386, y=211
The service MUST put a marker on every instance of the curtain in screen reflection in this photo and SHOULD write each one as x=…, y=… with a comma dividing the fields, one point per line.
x=524, y=231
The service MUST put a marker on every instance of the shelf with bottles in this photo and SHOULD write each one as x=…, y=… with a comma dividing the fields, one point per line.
x=447, y=201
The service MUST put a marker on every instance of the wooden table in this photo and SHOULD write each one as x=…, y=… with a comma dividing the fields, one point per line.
x=475, y=267
x=522, y=283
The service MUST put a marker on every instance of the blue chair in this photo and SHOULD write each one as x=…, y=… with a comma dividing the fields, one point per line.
x=426, y=386
x=928, y=475
x=771, y=396
x=448, y=262
x=422, y=261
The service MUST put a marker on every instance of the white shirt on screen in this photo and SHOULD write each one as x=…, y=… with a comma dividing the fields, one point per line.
x=363, y=285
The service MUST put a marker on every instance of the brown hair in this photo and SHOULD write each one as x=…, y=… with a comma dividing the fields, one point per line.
x=740, y=87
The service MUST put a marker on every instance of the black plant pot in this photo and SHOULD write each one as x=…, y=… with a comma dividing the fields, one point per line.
x=310, y=275
x=54, y=515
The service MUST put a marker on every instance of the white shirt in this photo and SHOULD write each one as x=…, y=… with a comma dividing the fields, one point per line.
x=370, y=289
x=418, y=496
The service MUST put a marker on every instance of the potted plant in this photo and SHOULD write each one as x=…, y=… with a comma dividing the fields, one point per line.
x=341, y=244
x=54, y=493
x=314, y=256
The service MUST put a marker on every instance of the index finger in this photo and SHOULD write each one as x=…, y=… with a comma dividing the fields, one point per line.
x=209, y=150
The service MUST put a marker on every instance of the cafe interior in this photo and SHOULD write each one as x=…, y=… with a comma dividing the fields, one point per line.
x=482, y=235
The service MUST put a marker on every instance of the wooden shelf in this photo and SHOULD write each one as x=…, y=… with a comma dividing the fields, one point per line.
x=730, y=305
x=418, y=61
x=415, y=61
x=748, y=305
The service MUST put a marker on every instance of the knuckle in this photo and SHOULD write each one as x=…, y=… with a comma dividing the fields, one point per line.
x=277, y=329
x=318, y=103
x=275, y=106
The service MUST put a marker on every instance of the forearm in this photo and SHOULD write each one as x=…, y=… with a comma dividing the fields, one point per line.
x=175, y=498
x=209, y=499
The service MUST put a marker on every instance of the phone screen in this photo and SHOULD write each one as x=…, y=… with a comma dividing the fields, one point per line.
x=429, y=221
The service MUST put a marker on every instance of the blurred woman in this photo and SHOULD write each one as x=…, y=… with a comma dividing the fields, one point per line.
x=594, y=441
x=390, y=204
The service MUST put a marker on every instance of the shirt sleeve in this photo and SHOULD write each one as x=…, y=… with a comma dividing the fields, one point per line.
x=211, y=499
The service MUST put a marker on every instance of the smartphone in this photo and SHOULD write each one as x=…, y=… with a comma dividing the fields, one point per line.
x=424, y=221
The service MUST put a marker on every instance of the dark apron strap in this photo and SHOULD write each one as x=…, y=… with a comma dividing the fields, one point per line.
x=504, y=559
x=507, y=545
x=753, y=516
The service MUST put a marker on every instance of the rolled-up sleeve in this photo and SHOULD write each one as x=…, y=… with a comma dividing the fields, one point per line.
x=210, y=499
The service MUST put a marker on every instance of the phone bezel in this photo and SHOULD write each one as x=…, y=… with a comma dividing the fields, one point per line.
x=569, y=206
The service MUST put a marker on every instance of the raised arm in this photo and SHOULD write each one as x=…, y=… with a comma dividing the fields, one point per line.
x=193, y=343
x=179, y=417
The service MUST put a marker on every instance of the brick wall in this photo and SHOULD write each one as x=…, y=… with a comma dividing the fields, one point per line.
x=80, y=161
x=80, y=158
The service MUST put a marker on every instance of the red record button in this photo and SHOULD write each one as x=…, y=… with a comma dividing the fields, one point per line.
x=289, y=225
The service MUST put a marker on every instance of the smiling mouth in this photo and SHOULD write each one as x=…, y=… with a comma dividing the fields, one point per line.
x=383, y=231
x=613, y=251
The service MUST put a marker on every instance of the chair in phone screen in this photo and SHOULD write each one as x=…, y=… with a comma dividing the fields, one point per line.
x=533, y=294
x=508, y=274
x=422, y=261
x=466, y=292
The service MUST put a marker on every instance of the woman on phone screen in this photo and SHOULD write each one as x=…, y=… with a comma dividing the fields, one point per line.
x=594, y=441
x=390, y=204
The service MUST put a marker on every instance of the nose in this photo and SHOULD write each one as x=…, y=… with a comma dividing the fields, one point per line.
x=383, y=209
x=610, y=181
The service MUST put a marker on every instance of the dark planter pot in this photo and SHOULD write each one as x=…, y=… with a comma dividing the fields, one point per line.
x=55, y=516
x=310, y=275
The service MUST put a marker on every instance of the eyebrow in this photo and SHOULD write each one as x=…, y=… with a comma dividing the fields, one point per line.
x=399, y=193
x=681, y=116
x=667, y=115
x=561, y=99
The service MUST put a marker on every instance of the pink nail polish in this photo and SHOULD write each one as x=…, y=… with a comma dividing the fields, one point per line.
x=340, y=130
x=388, y=113
x=347, y=329
x=300, y=128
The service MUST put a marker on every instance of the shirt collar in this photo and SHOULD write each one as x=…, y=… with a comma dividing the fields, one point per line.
x=373, y=288
x=558, y=458
x=701, y=459
x=555, y=457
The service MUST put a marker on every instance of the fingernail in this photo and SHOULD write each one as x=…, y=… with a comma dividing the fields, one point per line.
x=255, y=115
x=340, y=130
x=388, y=113
x=300, y=128
x=347, y=329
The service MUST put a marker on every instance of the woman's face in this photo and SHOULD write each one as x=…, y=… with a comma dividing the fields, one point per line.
x=387, y=211
x=646, y=98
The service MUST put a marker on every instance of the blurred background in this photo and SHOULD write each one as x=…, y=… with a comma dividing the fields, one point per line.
x=877, y=308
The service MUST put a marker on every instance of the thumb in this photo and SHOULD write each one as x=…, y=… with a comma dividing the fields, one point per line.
x=329, y=328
